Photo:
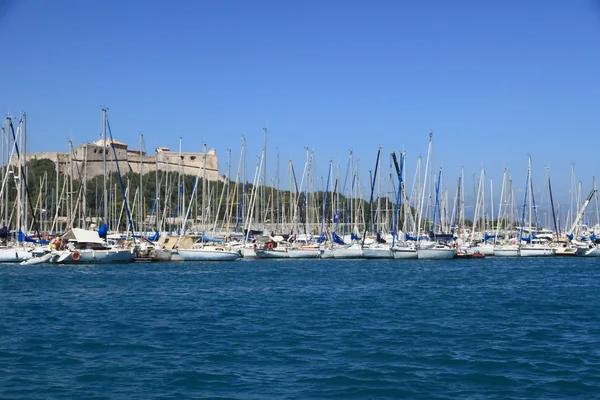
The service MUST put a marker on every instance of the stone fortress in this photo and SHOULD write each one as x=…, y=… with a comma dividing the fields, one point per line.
x=88, y=159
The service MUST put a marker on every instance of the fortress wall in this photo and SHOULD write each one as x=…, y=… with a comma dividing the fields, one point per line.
x=90, y=155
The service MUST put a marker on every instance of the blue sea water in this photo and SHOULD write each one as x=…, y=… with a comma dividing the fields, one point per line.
x=294, y=329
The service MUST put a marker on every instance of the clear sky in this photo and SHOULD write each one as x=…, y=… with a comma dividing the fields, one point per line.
x=494, y=80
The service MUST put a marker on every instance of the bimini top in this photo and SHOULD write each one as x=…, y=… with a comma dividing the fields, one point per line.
x=82, y=236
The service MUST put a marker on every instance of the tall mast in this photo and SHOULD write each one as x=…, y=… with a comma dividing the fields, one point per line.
x=105, y=193
x=141, y=191
x=263, y=206
x=25, y=172
x=19, y=185
x=424, y=187
x=203, y=188
x=156, y=192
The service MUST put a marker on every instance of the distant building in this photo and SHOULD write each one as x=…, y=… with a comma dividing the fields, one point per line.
x=88, y=160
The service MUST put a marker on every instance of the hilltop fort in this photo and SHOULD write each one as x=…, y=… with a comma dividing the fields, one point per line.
x=86, y=161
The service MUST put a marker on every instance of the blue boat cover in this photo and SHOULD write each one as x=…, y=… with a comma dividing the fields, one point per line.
x=336, y=238
x=210, y=239
x=102, y=231
x=24, y=238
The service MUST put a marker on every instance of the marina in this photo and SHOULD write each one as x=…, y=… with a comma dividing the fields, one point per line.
x=299, y=200
x=212, y=217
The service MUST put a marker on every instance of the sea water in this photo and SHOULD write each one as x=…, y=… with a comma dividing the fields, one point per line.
x=302, y=329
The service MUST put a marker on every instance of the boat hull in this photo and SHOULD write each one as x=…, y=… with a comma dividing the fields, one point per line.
x=404, y=253
x=271, y=253
x=163, y=255
x=327, y=253
x=486, y=249
x=208, y=255
x=378, y=253
x=436, y=254
x=567, y=251
x=304, y=253
x=92, y=256
x=593, y=252
x=506, y=251
x=38, y=260
x=348, y=252
x=536, y=251
x=14, y=255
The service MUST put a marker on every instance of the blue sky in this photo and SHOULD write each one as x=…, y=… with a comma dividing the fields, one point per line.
x=495, y=81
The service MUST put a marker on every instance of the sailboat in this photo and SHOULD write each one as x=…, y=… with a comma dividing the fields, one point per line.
x=88, y=246
x=85, y=246
x=9, y=250
x=206, y=248
x=531, y=246
x=509, y=247
x=593, y=250
x=378, y=249
x=432, y=250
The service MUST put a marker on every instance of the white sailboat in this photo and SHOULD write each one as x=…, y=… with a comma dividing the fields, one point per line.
x=208, y=252
x=12, y=251
x=532, y=247
x=431, y=250
x=79, y=246
x=353, y=250
x=378, y=251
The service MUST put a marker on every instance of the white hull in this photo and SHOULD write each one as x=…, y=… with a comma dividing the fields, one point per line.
x=377, y=252
x=405, y=253
x=593, y=252
x=208, y=254
x=272, y=253
x=304, y=253
x=435, y=254
x=163, y=255
x=353, y=251
x=327, y=253
x=506, y=251
x=92, y=256
x=247, y=252
x=38, y=260
x=14, y=255
x=567, y=251
x=485, y=249
x=536, y=252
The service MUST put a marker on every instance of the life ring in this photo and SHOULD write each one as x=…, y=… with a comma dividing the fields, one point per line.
x=75, y=255
x=270, y=246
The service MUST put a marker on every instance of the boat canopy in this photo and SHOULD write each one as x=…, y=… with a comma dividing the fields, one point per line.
x=83, y=236
x=210, y=239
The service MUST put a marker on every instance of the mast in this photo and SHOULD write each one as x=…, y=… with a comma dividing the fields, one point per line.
x=105, y=193
x=19, y=181
x=325, y=202
x=204, y=186
x=263, y=208
x=156, y=192
x=502, y=195
x=84, y=203
x=373, y=181
x=26, y=202
x=525, y=204
x=552, y=205
x=424, y=188
x=398, y=194
x=141, y=202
